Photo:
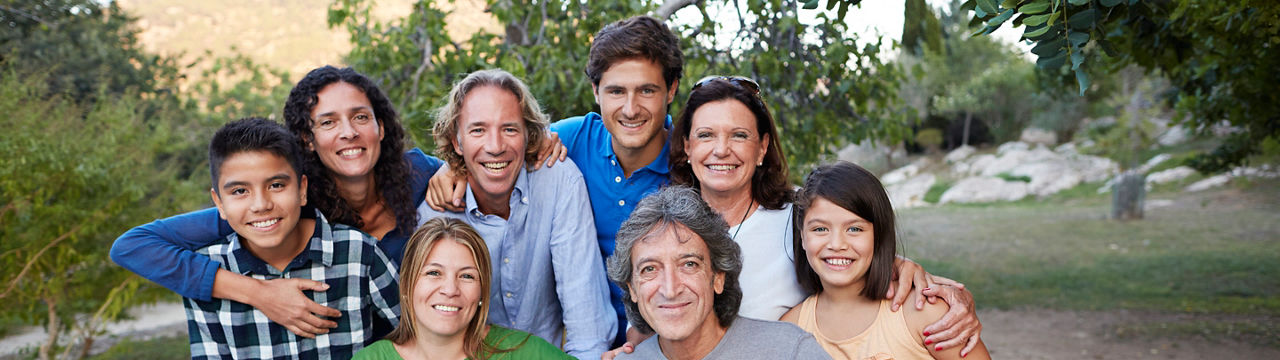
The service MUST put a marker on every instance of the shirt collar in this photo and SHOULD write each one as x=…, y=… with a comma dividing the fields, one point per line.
x=321, y=239
x=660, y=165
x=519, y=194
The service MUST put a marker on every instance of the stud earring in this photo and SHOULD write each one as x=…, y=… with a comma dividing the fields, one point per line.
x=760, y=163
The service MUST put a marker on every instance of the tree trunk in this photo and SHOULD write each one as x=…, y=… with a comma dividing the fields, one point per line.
x=968, y=117
x=53, y=328
x=1128, y=194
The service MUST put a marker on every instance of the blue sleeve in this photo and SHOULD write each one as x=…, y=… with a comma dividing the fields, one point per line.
x=424, y=166
x=163, y=251
x=590, y=321
x=571, y=131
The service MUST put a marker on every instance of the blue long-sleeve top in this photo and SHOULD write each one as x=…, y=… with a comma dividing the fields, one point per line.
x=163, y=250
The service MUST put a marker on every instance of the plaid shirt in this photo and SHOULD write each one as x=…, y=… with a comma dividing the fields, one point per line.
x=363, y=285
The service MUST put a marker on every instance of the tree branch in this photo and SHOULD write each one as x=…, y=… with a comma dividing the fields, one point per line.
x=29, y=16
x=669, y=7
x=31, y=262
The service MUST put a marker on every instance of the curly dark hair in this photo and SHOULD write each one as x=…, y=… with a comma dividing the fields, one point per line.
x=640, y=36
x=391, y=172
x=770, y=185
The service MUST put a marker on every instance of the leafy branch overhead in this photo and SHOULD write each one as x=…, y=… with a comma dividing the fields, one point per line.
x=1219, y=56
x=824, y=88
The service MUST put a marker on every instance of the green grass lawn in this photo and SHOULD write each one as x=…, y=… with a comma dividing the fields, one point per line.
x=1214, y=252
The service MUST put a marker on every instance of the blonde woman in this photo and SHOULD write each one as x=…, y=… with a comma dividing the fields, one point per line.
x=444, y=282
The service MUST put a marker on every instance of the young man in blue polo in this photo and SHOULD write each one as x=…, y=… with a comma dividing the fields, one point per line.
x=259, y=189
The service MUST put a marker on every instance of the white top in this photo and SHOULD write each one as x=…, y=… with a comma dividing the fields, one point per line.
x=768, y=280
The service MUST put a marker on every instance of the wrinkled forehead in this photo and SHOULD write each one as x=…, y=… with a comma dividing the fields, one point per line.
x=670, y=236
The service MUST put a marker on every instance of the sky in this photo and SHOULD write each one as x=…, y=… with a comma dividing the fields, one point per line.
x=870, y=20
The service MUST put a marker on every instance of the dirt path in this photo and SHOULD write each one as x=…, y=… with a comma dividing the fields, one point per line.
x=1045, y=334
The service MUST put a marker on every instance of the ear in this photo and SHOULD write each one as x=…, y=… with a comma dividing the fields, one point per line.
x=595, y=94
x=671, y=90
x=764, y=147
x=217, y=202
x=381, y=133
x=302, y=183
x=309, y=144
x=632, y=294
x=718, y=282
x=456, y=148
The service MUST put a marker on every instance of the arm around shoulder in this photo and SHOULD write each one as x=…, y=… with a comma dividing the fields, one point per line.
x=163, y=251
x=917, y=320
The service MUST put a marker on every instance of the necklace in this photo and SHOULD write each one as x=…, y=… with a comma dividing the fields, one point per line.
x=744, y=219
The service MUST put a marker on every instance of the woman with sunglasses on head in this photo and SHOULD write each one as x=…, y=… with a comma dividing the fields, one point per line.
x=725, y=144
x=359, y=174
x=443, y=284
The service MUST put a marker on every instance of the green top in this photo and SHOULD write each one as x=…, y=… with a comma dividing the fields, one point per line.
x=526, y=347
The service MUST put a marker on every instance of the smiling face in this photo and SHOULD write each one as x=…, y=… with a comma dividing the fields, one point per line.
x=447, y=292
x=724, y=146
x=674, y=283
x=261, y=197
x=347, y=136
x=633, y=100
x=838, y=244
x=491, y=141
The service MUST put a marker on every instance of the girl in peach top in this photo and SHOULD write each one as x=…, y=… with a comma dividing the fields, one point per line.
x=845, y=230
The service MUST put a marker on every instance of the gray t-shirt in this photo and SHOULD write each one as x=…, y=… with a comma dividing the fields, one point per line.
x=749, y=338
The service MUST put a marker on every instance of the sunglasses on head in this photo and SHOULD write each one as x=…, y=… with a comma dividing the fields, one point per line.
x=743, y=82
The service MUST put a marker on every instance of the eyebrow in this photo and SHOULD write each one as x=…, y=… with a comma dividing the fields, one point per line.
x=351, y=110
x=680, y=257
x=439, y=265
x=230, y=184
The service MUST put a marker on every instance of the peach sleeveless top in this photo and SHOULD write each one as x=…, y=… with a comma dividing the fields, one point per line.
x=887, y=338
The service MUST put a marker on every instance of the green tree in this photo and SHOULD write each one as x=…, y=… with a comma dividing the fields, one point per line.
x=1220, y=57
x=824, y=89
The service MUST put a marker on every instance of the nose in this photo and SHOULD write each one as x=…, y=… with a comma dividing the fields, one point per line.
x=347, y=130
x=721, y=148
x=261, y=202
x=449, y=288
x=669, y=287
x=629, y=108
x=492, y=143
x=838, y=243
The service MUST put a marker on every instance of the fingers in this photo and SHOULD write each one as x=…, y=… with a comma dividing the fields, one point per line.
x=306, y=333
x=945, y=281
x=459, y=191
x=626, y=348
x=304, y=284
x=973, y=343
x=921, y=282
x=900, y=291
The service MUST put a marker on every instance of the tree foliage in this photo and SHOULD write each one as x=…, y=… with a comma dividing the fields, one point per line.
x=1218, y=56
x=823, y=87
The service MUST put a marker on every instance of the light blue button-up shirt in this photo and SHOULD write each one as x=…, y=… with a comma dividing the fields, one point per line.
x=547, y=276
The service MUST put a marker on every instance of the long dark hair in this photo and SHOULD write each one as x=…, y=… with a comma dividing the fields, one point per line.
x=855, y=189
x=391, y=172
x=770, y=186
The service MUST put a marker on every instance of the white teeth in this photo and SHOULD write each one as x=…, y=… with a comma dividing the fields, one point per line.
x=722, y=167
x=839, y=262
x=262, y=224
x=351, y=152
x=631, y=125
x=497, y=166
x=445, y=308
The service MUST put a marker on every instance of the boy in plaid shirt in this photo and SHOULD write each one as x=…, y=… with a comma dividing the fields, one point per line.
x=259, y=189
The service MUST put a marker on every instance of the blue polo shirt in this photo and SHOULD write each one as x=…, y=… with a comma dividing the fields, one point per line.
x=613, y=195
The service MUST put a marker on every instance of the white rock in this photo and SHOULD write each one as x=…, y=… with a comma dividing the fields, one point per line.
x=900, y=174
x=874, y=157
x=984, y=189
x=1038, y=136
x=1067, y=149
x=1155, y=160
x=1173, y=136
x=1048, y=177
x=1170, y=175
x=911, y=193
x=1263, y=171
x=1209, y=183
x=960, y=153
x=1012, y=145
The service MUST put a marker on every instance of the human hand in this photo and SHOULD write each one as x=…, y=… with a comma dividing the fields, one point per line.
x=960, y=324
x=552, y=150
x=282, y=301
x=445, y=190
x=908, y=274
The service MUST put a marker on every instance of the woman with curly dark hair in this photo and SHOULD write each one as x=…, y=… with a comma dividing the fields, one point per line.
x=360, y=175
